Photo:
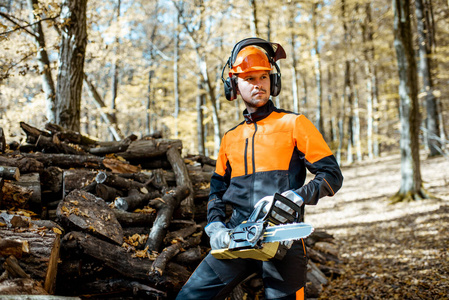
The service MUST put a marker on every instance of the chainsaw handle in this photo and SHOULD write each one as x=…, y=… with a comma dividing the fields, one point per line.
x=290, y=217
x=257, y=210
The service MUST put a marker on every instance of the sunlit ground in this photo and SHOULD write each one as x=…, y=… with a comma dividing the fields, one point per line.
x=388, y=251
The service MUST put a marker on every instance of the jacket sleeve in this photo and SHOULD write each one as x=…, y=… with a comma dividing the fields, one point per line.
x=319, y=161
x=219, y=183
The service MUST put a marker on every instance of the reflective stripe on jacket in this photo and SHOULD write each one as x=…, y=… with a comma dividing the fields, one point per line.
x=267, y=153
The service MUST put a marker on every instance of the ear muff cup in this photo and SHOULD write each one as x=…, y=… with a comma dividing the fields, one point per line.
x=275, y=84
x=230, y=88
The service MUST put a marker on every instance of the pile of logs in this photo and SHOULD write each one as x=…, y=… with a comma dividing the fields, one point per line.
x=82, y=218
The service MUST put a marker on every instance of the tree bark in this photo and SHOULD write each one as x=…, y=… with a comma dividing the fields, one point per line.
x=411, y=182
x=42, y=260
x=164, y=215
x=71, y=64
x=9, y=172
x=187, y=206
x=425, y=67
x=317, y=58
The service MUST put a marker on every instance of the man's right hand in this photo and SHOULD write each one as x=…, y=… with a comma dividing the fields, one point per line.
x=219, y=235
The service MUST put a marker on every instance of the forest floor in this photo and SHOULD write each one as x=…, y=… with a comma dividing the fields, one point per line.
x=388, y=251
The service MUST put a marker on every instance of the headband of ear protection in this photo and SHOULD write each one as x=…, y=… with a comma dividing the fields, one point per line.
x=274, y=52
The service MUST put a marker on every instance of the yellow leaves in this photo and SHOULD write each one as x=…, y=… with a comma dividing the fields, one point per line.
x=136, y=239
x=57, y=230
x=145, y=210
x=75, y=202
x=73, y=210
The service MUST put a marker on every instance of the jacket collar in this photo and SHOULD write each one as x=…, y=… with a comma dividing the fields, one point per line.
x=261, y=113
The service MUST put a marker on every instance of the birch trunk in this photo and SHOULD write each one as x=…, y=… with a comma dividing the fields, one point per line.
x=411, y=183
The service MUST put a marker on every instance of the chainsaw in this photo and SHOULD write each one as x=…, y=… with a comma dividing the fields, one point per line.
x=264, y=236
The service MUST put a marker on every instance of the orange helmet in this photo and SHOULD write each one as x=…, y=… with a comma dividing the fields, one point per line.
x=249, y=59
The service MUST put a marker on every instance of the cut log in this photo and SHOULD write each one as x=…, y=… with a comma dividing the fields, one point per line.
x=7, y=172
x=149, y=148
x=181, y=234
x=315, y=276
x=118, y=166
x=12, y=247
x=106, y=193
x=51, y=179
x=11, y=265
x=42, y=260
x=66, y=161
x=32, y=181
x=75, y=179
x=128, y=219
x=113, y=256
x=114, y=147
x=24, y=289
x=25, y=165
x=189, y=257
x=135, y=199
x=118, y=289
x=15, y=196
x=187, y=207
x=160, y=263
x=196, y=175
x=84, y=211
x=33, y=133
x=164, y=215
x=118, y=181
x=54, y=145
x=69, y=135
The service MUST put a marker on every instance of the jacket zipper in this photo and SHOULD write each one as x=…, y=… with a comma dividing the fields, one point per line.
x=253, y=179
x=246, y=157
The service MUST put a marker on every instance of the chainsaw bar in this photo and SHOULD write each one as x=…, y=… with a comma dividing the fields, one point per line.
x=286, y=232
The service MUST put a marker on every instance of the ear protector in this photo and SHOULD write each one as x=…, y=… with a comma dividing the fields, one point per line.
x=274, y=52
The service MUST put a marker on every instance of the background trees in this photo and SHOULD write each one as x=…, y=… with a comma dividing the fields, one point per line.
x=156, y=66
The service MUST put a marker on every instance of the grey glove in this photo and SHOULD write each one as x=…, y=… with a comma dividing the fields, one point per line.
x=219, y=235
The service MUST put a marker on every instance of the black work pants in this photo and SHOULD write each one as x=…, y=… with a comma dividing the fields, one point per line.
x=216, y=278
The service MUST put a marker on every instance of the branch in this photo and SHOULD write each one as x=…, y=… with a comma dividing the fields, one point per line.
x=8, y=17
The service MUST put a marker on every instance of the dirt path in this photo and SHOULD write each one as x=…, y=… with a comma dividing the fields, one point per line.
x=388, y=251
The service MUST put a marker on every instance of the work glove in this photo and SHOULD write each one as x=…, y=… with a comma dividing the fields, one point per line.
x=289, y=194
x=219, y=235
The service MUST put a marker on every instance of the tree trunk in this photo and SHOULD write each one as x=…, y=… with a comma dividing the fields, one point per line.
x=200, y=118
x=71, y=64
x=43, y=62
x=99, y=103
x=253, y=18
x=411, y=183
x=425, y=66
x=317, y=58
x=176, y=75
x=115, y=70
x=356, y=124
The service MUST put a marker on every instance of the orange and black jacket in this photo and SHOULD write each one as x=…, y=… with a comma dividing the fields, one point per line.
x=267, y=153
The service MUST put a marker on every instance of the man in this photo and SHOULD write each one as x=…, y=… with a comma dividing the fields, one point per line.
x=267, y=153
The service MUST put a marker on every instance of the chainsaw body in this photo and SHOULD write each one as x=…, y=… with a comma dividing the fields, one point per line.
x=262, y=236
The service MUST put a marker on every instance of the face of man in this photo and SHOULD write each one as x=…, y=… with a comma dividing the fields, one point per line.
x=254, y=88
